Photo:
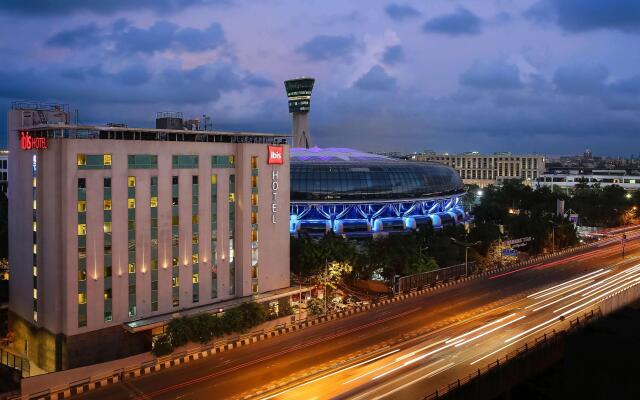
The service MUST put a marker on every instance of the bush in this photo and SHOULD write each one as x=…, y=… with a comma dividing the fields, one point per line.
x=162, y=346
x=179, y=331
x=315, y=306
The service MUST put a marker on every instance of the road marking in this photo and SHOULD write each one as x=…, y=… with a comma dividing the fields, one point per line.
x=429, y=375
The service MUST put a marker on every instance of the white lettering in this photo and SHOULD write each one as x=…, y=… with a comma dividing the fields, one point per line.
x=274, y=194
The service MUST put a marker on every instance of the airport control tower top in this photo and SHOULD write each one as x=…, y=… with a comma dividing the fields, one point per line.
x=299, y=94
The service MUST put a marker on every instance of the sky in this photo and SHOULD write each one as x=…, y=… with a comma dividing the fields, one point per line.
x=545, y=76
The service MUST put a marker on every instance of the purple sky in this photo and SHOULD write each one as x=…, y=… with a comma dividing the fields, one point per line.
x=551, y=76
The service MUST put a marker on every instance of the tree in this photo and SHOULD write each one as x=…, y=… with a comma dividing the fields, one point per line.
x=162, y=346
x=315, y=306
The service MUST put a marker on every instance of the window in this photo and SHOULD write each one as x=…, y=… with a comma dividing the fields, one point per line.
x=131, y=181
x=106, y=205
x=82, y=183
x=106, y=159
x=194, y=219
x=107, y=227
x=82, y=206
x=194, y=238
x=184, y=161
x=214, y=179
x=175, y=281
x=232, y=197
x=107, y=182
x=174, y=201
x=223, y=161
x=81, y=159
x=174, y=180
x=254, y=162
x=175, y=220
x=132, y=268
x=82, y=229
x=82, y=298
x=194, y=258
x=194, y=180
x=254, y=199
x=131, y=203
x=107, y=294
x=153, y=202
x=195, y=278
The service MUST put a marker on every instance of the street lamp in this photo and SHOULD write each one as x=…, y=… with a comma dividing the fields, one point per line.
x=466, y=246
x=553, y=236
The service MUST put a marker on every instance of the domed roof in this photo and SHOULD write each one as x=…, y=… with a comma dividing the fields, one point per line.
x=336, y=174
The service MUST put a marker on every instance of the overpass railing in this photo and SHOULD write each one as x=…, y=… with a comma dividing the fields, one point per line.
x=431, y=278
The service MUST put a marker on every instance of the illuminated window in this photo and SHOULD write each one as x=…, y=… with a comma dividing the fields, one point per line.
x=174, y=262
x=254, y=162
x=106, y=159
x=194, y=219
x=35, y=271
x=175, y=220
x=132, y=268
x=82, y=159
x=35, y=293
x=195, y=278
x=131, y=203
x=82, y=275
x=34, y=205
x=194, y=258
x=106, y=205
x=255, y=288
x=107, y=294
x=195, y=239
x=82, y=298
x=82, y=206
x=254, y=199
x=254, y=235
x=154, y=202
x=82, y=229
x=35, y=181
x=232, y=197
x=175, y=281
x=35, y=226
x=131, y=181
x=214, y=179
x=254, y=181
x=107, y=227
x=232, y=160
x=254, y=218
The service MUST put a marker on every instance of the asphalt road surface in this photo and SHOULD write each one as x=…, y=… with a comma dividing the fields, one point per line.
x=403, y=350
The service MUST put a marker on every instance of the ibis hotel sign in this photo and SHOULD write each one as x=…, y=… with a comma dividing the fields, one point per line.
x=30, y=143
x=275, y=157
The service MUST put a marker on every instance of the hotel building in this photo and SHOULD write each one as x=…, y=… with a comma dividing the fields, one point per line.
x=485, y=170
x=114, y=231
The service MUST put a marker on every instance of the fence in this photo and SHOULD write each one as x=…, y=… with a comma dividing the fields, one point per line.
x=519, y=352
x=432, y=278
x=15, y=362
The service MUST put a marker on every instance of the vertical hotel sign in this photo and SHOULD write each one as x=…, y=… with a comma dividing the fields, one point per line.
x=30, y=143
x=275, y=157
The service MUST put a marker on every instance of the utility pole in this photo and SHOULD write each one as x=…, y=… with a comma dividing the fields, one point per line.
x=466, y=246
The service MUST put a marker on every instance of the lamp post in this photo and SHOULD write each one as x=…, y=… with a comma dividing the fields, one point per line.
x=553, y=236
x=466, y=246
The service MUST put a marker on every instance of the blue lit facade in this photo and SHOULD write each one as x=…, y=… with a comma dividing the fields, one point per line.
x=357, y=193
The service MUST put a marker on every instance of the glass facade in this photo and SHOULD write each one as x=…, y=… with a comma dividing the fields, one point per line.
x=214, y=236
x=131, y=236
x=232, y=229
x=93, y=161
x=370, y=180
x=153, y=204
x=175, y=243
x=107, y=264
x=195, y=240
x=82, y=254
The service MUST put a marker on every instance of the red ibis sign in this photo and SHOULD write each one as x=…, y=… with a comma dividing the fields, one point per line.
x=30, y=143
x=276, y=155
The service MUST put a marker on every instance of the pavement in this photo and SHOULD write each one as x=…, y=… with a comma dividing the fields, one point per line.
x=403, y=350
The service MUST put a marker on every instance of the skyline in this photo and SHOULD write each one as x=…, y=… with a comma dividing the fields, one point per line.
x=545, y=76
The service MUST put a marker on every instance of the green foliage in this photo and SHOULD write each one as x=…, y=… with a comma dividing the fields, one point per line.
x=162, y=346
x=315, y=306
x=204, y=327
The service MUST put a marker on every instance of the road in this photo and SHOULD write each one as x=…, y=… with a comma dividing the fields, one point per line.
x=402, y=350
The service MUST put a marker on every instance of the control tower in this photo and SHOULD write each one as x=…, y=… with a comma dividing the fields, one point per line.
x=299, y=94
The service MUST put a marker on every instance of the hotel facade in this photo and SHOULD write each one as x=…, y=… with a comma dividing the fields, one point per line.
x=114, y=231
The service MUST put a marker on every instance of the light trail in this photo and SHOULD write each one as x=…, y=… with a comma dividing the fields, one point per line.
x=597, y=272
x=489, y=331
x=480, y=328
x=614, y=290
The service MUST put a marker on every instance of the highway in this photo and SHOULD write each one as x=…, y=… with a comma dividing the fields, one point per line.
x=403, y=350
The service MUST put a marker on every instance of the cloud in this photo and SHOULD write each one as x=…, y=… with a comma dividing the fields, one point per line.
x=461, y=22
x=586, y=15
x=258, y=81
x=492, y=75
x=376, y=79
x=581, y=79
x=393, y=55
x=66, y=7
x=400, y=12
x=128, y=39
x=325, y=47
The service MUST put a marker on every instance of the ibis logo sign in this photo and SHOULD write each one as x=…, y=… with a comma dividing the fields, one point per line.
x=30, y=143
x=276, y=155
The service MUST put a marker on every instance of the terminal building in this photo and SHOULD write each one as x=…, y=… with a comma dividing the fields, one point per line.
x=485, y=170
x=568, y=179
x=355, y=193
x=115, y=230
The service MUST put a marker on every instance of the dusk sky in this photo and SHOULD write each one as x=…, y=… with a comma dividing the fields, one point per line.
x=550, y=76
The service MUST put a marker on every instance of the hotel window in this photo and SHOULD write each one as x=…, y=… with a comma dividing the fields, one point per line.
x=223, y=161
x=142, y=161
x=107, y=227
x=153, y=202
x=82, y=229
x=81, y=159
x=131, y=203
x=82, y=298
x=190, y=161
x=106, y=159
x=106, y=205
x=82, y=206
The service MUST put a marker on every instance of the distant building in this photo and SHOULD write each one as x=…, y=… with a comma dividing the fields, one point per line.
x=484, y=170
x=568, y=179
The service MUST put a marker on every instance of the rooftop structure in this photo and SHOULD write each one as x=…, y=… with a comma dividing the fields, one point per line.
x=299, y=95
